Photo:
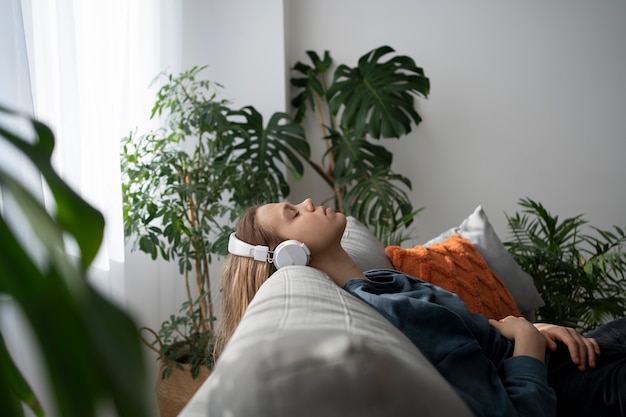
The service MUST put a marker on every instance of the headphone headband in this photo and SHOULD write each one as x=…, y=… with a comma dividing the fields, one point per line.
x=289, y=252
x=241, y=248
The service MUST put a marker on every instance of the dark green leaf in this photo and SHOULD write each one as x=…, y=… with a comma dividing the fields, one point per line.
x=16, y=384
x=377, y=98
x=53, y=294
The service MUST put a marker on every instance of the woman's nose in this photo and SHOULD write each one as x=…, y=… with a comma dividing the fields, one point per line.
x=307, y=205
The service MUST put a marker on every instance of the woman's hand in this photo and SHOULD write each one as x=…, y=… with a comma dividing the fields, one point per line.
x=527, y=339
x=582, y=350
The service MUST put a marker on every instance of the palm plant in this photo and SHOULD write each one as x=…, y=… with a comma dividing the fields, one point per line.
x=374, y=100
x=582, y=278
x=185, y=184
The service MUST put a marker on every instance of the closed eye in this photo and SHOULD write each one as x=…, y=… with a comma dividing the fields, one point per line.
x=290, y=211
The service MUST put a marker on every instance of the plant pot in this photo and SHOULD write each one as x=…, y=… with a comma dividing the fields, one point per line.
x=175, y=392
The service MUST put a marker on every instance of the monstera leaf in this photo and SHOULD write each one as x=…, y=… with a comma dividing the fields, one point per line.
x=378, y=199
x=89, y=346
x=355, y=158
x=312, y=83
x=378, y=98
x=373, y=192
x=263, y=150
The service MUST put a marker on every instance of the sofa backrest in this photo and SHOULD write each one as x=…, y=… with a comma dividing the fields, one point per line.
x=306, y=347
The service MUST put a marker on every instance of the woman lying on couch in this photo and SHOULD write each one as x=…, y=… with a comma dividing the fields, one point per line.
x=498, y=367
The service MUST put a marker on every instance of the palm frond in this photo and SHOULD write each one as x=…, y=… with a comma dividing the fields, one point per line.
x=581, y=277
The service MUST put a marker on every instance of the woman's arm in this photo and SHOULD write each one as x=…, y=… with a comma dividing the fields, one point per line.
x=527, y=339
x=473, y=357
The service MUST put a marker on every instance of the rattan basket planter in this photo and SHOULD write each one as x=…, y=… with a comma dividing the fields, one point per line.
x=174, y=393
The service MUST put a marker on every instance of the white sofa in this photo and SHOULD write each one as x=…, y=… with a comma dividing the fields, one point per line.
x=306, y=347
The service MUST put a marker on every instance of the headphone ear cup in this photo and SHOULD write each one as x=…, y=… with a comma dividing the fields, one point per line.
x=291, y=252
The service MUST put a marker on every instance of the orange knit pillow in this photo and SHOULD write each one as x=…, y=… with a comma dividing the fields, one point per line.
x=458, y=267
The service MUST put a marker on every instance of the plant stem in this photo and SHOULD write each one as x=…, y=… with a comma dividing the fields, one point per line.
x=331, y=156
x=206, y=302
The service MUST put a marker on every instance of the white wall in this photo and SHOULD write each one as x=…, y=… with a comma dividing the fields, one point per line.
x=242, y=41
x=527, y=98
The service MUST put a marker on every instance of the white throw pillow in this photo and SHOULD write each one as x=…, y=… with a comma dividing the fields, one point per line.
x=477, y=229
x=363, y=247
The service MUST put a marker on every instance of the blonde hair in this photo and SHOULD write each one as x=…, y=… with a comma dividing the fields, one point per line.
x=242, y=277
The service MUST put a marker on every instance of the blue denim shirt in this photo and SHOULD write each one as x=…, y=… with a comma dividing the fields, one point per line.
x=475, y=359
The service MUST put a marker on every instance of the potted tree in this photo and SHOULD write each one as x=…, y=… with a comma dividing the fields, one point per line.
x=184, y=185
x=356, y=107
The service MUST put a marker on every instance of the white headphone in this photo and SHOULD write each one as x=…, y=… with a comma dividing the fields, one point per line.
x=289, y=252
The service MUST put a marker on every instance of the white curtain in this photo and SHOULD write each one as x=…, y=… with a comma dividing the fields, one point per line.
x=15, y=93
x=84, y=68
x=91, y=64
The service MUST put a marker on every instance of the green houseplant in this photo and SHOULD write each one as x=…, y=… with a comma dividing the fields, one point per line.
x=356, y=107
x=185, y=183
x=88, y=345
x=581, y=277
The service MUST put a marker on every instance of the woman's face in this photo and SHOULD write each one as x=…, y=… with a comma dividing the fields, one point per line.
x=317, y=226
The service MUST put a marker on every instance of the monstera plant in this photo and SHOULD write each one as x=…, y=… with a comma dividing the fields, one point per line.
x=356, y=107
x=185, y=184
x=89, y=347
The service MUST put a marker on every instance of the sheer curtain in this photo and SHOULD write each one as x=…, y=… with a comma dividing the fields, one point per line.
x=91, y=64
x=15, y=92
x=84, y=68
